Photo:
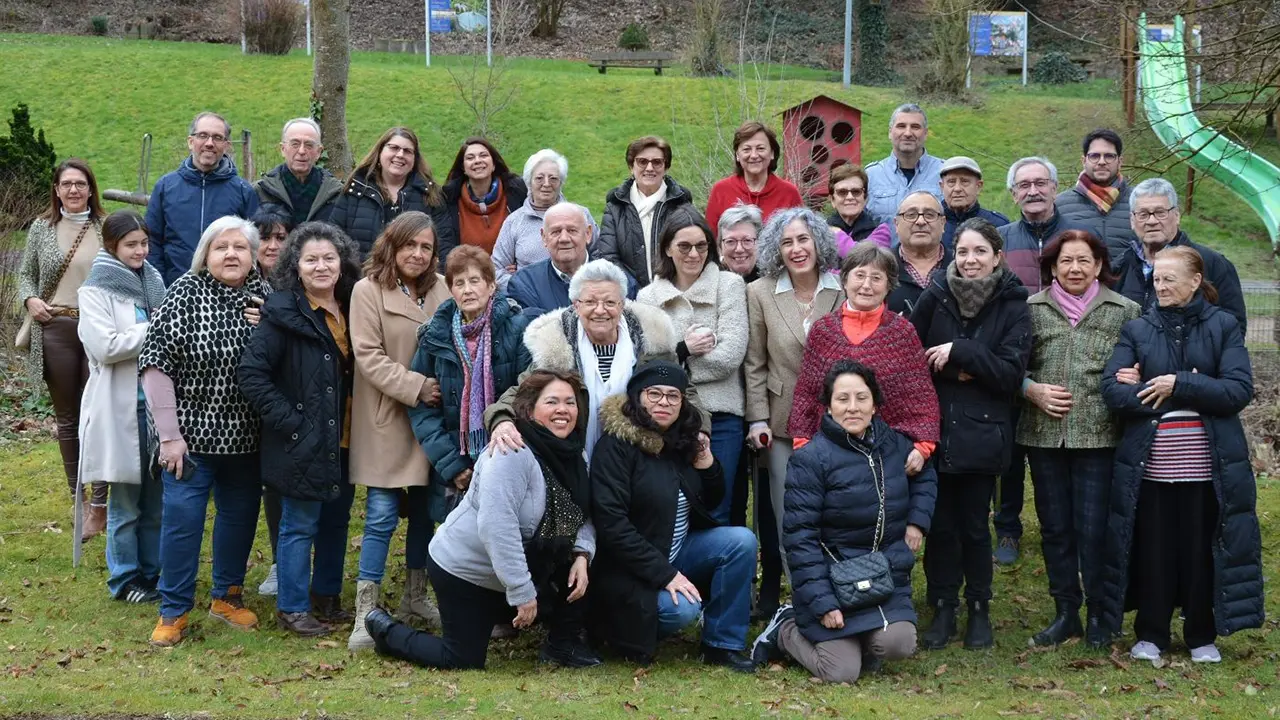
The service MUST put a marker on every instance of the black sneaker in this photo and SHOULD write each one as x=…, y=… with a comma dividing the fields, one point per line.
x=572, y=654
x=735, y=660
x=765, y=649
x=137, y=593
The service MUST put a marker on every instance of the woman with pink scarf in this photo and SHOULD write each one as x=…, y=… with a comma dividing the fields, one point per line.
x=1069, y=433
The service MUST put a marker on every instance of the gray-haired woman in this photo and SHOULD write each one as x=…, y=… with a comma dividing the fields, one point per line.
x=207, y=430
x=519, y=241
x=738, y=232
x=796, y=256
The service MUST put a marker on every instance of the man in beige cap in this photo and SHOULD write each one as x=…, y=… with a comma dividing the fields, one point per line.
x=960, y=180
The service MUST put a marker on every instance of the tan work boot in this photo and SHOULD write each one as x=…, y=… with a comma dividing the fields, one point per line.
x=416, y=601
x=169, y=631
x=231, y=610
x=367, y=594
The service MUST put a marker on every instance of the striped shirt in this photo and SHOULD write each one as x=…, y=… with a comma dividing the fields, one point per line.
x=682, y=525
x=604, y=358
x=1180, y=451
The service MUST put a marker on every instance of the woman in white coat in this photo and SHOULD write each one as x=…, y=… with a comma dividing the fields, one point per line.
x=116, y=301
x=708, y=309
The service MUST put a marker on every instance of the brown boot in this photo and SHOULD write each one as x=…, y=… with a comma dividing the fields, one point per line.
x=328, y=609
x=302, y=623
x=231, y=610
x=169, y=631
x=95, y=522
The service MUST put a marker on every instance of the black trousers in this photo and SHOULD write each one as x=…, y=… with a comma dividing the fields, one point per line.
x=271, y=504
x=468, y=613
x=1172, y=561
x=766, y=527
x=1073, y=492
x=959, y=546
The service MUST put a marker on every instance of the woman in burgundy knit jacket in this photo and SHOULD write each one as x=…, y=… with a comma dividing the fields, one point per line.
x=862, y=329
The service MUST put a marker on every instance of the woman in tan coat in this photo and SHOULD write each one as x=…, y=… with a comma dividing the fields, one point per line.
x=796, y=257
x=400, y=292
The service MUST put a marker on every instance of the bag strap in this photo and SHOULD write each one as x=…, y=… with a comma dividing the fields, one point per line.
x=66, y=261
x=877, y=479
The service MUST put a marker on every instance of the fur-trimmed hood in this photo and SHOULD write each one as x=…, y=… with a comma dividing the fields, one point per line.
x=622, y=427
x=552, y=339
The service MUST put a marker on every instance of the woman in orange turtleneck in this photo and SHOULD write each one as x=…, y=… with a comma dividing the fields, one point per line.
x=862, y=329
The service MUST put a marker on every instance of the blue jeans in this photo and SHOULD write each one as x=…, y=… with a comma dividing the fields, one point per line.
x=236, y=484
x=721, y=562
x=727, y=436
x=133, y=521
x=307, y=523
x=382, y=514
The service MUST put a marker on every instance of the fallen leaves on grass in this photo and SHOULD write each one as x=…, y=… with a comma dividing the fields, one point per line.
x=940, y=671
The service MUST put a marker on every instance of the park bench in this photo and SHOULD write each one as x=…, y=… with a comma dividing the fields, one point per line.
x=655, y=60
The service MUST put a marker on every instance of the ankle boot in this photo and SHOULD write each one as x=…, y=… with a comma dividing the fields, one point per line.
x=367, y=594
x=1066, y=624
x=1094, y=635
x=95, y=522
x=942, y=628
x=977, y=635
x=415, y=601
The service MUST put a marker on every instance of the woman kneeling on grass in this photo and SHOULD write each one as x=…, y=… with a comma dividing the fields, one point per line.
x=520, y=541
x=116, y=302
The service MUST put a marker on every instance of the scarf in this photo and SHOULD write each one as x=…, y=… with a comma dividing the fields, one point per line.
x=1102, y=196
x=1072, y=306
x=480, y=219
x=624, y=361
x=302, y=195
x=477, y=379
x=564, y=472
x=144, y=288
x=972, y=295
x=484, y=202
x=647, y=207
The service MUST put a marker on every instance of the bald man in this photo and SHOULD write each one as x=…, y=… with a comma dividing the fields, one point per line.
x=544, y=286
x=919, y=224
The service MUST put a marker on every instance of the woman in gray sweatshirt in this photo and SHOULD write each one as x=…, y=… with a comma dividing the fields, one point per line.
x=519, y=544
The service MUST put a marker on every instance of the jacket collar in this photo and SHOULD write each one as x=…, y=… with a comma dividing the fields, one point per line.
x=958, y=217
x=864, y=222
x=1042, y=230
x=396, y=302
x=675, y=191
x=701, y=292
x=439, y=331
x=620, y=426
x=1105, y=296
x=225, y=170
x=550, y=347
x=292, y=311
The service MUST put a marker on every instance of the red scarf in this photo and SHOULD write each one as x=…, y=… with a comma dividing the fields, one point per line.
x=1102, y=196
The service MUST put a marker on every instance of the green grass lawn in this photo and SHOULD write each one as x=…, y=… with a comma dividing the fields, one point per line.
x=68, y=649
x=95, y=97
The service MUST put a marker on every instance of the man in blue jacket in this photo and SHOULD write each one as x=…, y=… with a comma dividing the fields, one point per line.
x=544, y=286
x=186, y=201
x=961, y=183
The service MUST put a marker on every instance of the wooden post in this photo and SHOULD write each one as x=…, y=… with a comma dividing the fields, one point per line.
x=246, y=156
x=1191, y=187
x=1129, y=84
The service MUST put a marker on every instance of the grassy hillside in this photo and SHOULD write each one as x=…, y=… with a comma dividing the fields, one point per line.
x=96, y=97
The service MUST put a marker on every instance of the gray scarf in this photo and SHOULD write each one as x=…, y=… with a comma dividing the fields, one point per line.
x=144, y=288
x=972, y=295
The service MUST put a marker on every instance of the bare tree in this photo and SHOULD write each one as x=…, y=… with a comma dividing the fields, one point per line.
x=485, y=91
x=332, y=23
x=548, y=22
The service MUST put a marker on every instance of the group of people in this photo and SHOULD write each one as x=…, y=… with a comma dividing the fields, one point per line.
x=571, y=419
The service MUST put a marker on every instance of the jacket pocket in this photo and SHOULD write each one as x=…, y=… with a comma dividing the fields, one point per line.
x=977, y=439
x=775, y=385
x=385, y=411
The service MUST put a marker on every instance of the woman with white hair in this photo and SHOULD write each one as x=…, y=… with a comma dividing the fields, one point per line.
x=796, y=255
x=601, y=336
x=208, y=432
x=520, y=241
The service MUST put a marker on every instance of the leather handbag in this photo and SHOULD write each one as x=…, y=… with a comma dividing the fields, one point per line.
x=867, y=580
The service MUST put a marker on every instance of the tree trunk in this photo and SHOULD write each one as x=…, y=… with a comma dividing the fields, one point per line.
x=548, y=18
x=332, y=24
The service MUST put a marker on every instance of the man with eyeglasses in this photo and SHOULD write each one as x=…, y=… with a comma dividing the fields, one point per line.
x=544, y=285
x=297, y=188
x=1033, y=182
x=1156, y=222
x=961, y=183
x=918, y=225
x=909, y=168
x=1100, y=200
x=186, y=201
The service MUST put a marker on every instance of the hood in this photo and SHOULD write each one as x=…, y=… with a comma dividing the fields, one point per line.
x=622, y=427
x=675, y=191
x=225, y=170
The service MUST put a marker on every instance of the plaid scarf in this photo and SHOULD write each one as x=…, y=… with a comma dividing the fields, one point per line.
x=302, y=195
x=1102, y=196
x=477, y=379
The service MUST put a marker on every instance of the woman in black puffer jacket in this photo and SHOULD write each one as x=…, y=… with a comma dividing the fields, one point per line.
x=392, y=178
x=976, y=329
x=837, y=486
x=1183, y=527
x=296, y=372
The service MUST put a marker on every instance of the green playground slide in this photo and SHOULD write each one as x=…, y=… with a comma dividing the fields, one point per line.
x=1166, y=96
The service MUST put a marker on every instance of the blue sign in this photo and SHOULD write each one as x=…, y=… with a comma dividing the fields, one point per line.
x=441, y=16
x=998, y=33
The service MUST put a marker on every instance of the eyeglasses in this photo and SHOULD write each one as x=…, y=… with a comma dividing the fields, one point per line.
x=205, y=137
x=850, y=192
x=1158, y=213
x=398, y=149
x=1102, y=157
x=609, y=305
x=299, y=144
x=73, y=185
x=738, y=242
x=656, y=163
x=930, y=216
x=685, y=248
x=546, y=180
x=1042, y=184
x=661, y=397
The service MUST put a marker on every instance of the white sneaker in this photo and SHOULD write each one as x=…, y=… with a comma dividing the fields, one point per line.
x=1145, y=651
x=270, y=585
x=1206, y=654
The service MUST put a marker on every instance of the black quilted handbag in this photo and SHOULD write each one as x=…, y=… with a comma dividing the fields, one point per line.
x=866, y=580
